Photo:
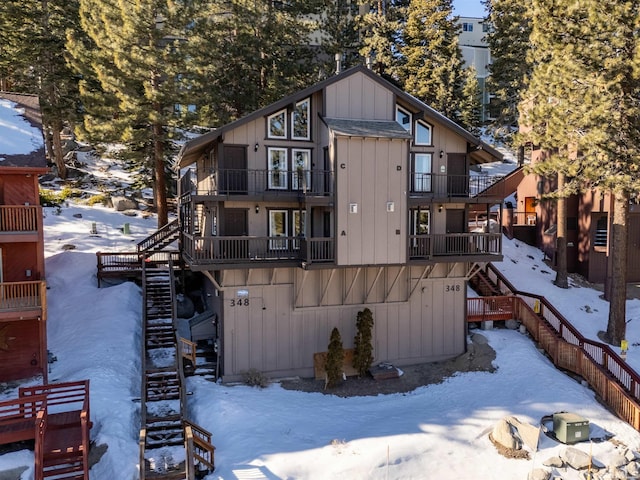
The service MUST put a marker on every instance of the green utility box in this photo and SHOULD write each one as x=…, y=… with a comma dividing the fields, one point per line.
x=570, y=428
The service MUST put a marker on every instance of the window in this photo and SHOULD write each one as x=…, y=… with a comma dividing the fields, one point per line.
x=486, y=27
x=301, y=169
x=277, y=168
x=423, y=133
x=422, y=172
x=277, y=125
x=420, y=222
x=467, y=27
x=300, y=120
x=278, y=228
x=600, y=239
x=403, y=118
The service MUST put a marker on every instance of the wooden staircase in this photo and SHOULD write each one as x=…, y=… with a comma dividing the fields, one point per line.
x=483, y=285
x=163, y=408
x=161, y=238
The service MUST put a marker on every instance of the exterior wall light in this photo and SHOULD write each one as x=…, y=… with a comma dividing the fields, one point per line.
x=257, y=208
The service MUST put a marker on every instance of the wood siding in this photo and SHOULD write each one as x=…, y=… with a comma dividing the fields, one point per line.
x=358, y=96
x=374, y=175
x=262, y=330
x=20, y=349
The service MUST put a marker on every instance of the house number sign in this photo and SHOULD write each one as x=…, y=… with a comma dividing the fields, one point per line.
x=452, y=288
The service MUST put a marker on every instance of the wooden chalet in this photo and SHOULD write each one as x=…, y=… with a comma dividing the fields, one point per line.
x=348, y=194
x=23, y=312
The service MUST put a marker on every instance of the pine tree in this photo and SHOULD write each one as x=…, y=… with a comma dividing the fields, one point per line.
x=33, y=60
x=508, y=40
x=335, y=359
x=363, y=348
x=135, y=53
x=471, y=102
x=432, y=68
x=379, y=29
x=340, y=34
x=581, y=105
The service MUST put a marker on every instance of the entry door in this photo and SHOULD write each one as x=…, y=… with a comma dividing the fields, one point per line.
x=457, y=175
x=233, y=170
x=455, y=224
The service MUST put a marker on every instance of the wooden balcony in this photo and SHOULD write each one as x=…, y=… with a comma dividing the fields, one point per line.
x=20, y=220
x=476, y=245
x=440, y=186
x=291, y=184
x=528, y=219
x=17, y=298
x=257, y=250
x=240, y=251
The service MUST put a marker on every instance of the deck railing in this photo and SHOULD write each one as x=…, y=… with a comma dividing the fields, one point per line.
x=606, y=372
x=19, y=218
x=17, y=296
x=454, y=244
x=442, y=185
x=525, y=219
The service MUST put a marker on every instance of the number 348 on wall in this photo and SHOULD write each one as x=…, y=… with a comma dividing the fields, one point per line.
x=452, y=288
x=239, y=302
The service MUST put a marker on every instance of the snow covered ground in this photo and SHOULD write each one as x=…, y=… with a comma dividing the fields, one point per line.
x=437, y=431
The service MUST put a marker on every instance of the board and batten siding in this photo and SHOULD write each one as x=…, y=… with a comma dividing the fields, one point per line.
x=358, y=96
x=262, y=329
x=371, y=174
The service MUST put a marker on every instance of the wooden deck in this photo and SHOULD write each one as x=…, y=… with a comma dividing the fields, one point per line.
x=56, y=417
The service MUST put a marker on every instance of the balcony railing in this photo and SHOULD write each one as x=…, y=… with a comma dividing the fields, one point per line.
x=20, y=296
x=274, y=182
x=243, y=249
x=19, y=218
x=525, y=218
x=441, y=185
x=454, y=244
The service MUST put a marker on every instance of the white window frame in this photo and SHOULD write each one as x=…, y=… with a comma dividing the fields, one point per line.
x=273, y=117
x=404, y=111
x=296, y=184
x=273, y=230
x=277, y=172
x=416, y=224
x=427, y=126
x=422, y=179
x=294, y=116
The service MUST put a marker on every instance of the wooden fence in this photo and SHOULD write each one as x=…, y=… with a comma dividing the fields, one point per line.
x=617, y=384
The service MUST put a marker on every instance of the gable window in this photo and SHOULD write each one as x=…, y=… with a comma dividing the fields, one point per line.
x=277, y=168
x=403, y=117
x=422, y=172
x=300, y=120
x=423, y=133
x=277, y=125
x=278, y=227
x=301, y=169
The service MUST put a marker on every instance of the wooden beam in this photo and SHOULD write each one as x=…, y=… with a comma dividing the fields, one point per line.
x=326, y=287
x=393, y=284
x=207, y=274
x=273, y=276
x=427, y=270
x=473, y=269
x=353, y=282
x=380, y=270
x=305, y=273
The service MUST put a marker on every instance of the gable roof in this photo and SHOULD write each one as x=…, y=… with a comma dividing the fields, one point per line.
x=22, y=142
x=193, y=149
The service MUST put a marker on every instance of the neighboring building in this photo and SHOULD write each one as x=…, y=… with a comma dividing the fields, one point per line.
x=589, y=217
x=23, y=340
x=348, y=194
x=475, y=52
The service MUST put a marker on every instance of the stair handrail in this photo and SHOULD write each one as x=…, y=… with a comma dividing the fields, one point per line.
x=598, y=353
x=200, y=450
x=41, y=430
x=158, y=236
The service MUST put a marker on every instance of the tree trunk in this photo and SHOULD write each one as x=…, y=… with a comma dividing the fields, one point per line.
x=561, y=236
x=58, y=154
x=160, y=186
x=617, y=325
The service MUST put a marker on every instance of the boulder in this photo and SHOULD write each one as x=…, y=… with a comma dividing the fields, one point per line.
x=617, y=460
x=539, y=474
x=633, y=469
x=576, y=459
x=511, y=324
x=503, y=435
x=553, y=462
x=120, y=204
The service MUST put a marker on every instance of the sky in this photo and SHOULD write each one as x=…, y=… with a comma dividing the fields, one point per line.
x=468, y=8
x=437, y=431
